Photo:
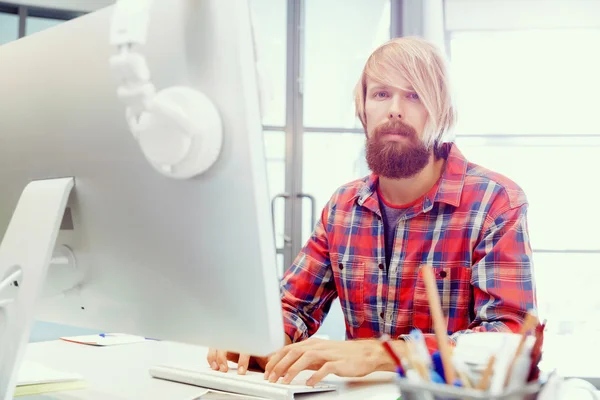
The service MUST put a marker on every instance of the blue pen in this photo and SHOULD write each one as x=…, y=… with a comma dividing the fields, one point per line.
x=438, y=366
x=400, y=372
x=438, y=370
x=108, y=334
x=435, y=377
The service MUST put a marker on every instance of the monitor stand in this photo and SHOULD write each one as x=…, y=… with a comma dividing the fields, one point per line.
x=25, y=253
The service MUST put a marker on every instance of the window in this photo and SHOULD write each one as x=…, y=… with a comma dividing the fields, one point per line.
x=331, y=159
x=9, y=27
x=567, y=292
x=269, y=24
x=275, y=155
x=36, y=24
x=527, y=106
x=538, y=82
x=33, y=19
x=340, y=35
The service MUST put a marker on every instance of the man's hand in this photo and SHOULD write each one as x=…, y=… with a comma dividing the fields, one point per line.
x=217, y=359
x=349, y=359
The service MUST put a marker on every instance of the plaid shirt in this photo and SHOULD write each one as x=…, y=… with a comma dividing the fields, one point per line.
x=471, y=227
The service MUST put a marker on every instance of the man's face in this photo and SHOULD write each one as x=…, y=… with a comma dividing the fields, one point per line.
x=396, y=121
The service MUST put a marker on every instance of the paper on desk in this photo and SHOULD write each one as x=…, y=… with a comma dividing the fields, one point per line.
x=41, y=388
x=32, y=373
x=108, y=339
x=35, y=378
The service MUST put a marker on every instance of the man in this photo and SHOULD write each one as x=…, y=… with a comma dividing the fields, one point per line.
x=424, y=204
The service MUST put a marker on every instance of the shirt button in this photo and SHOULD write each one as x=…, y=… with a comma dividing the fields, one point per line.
x=381, y=315
x=380, y=266
x=443, y=274
x=341, y=266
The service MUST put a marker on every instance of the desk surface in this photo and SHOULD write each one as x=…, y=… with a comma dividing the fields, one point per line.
x=121, y=372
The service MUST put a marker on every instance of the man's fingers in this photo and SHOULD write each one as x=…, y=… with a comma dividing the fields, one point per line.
x=275, y=358
x=308, y=359
x=327, y=368
x=222, y=360
x=299, y=346
x=285, y=363
x=211, y=358
x=243, y=362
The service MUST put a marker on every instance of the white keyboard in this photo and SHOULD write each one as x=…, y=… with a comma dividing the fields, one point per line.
x=251, y=384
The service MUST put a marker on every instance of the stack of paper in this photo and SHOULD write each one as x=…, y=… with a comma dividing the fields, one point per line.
x=35, y=378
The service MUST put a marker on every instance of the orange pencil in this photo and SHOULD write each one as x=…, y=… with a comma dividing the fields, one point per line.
x=531, y=321
x=416, y=363
x=484, y=382
x=439, y=323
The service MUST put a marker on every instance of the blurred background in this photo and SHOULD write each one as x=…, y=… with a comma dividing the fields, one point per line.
x=526, y=76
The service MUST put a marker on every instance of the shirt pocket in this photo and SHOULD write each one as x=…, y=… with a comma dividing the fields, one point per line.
x=455, y=291
x=349, y=281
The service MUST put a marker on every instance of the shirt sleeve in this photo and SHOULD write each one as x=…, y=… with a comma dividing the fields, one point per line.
x=502, y=277
x=308, y=287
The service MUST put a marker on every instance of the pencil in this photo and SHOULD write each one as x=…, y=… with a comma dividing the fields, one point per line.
x=464, y=379
x=484, y=382
x=439, y=324
x=531, y=321
x=536, y=352
x=416, y=363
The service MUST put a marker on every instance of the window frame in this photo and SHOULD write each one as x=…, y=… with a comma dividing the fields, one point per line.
x=24, y=12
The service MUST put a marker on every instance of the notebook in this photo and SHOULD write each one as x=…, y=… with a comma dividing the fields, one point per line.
x=251, y=384
x=35, y=378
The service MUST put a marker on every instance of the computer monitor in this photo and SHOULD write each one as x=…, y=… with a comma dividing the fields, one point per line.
x=190, y=260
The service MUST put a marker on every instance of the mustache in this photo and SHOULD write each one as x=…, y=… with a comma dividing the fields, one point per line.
x=395, y=128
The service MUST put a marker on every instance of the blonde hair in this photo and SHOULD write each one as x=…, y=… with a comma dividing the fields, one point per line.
x=424, y=67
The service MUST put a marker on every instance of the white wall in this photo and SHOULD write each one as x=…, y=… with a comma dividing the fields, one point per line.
x=70, y=5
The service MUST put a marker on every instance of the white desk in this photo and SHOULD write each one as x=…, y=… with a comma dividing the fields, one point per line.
x=121, y=373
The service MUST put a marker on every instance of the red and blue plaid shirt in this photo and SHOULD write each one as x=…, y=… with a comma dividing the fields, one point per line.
x=471, y=227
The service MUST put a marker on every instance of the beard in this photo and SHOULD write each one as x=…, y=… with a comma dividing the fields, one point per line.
x=396, y=159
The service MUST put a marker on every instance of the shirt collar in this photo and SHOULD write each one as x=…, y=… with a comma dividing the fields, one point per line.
x=448, y=190
x=453, y=177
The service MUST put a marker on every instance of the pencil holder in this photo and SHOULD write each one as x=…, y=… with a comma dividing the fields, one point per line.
x=433, y=391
